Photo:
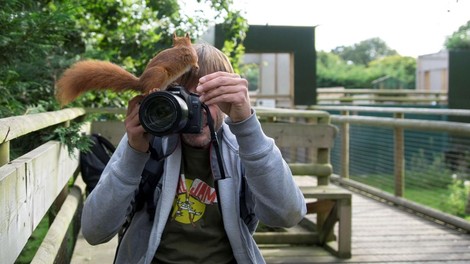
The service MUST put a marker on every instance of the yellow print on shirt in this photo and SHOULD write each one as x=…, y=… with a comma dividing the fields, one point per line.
x=190, y=203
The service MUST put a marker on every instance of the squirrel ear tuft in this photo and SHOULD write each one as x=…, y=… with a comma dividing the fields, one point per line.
x=187, y=35
x=174, y=34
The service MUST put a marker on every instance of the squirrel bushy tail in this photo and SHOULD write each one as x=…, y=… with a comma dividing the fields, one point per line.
x=90, y=75
x=162, y=70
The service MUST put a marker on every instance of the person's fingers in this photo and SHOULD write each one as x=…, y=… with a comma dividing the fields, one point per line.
x=131, y=105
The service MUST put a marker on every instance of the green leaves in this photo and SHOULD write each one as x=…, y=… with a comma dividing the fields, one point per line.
x=365, y=51
x=71, y=137
x=358, y=65
x=40, y=39
x=36, y=37
x=460, y=39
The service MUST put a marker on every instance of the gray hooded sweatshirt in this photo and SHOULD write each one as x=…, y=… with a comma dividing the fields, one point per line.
x=272, y=196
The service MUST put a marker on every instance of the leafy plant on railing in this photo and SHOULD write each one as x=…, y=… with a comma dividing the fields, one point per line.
x=72, y=137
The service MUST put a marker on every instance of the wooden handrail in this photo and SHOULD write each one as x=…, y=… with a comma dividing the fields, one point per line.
x=393, y=110
x=17, y=126
x=367, y=96
x=49, y=248
x=342, y=90
x=455, y=128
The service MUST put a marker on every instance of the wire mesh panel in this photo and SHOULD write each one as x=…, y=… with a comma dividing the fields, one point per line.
x=436, y=164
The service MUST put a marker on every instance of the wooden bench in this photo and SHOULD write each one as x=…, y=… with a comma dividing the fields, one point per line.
x=305, y=139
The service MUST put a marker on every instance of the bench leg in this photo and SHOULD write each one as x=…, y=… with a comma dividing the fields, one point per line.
x=341, y=214
x=344, y=228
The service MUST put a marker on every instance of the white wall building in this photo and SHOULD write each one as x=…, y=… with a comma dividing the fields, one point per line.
x=432, y=72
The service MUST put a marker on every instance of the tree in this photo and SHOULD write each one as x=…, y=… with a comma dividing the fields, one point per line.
x=402, y=68
x=365, y=51
x=39, y=39
x=460, y=39
x=332, y=71
x=36, y=37
x=130, y=34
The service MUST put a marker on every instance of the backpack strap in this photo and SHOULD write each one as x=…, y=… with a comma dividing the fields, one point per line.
x=108, y=146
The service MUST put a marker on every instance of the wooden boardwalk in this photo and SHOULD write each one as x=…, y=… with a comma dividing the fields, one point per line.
x=380, y=234
x=385, y=234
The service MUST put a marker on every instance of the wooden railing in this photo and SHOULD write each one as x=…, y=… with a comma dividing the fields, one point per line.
x=351, y=115
x=341, y=95
x=32, y=183
x=356, y=96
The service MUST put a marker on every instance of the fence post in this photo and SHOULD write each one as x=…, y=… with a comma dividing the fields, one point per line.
x=345, y=147
x=4, y=153
x=399, y=158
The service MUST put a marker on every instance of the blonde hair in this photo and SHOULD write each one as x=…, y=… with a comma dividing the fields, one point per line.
x=210, y=60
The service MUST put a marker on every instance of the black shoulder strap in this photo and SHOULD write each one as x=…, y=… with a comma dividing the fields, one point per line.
x=155, y=148
x=150, y=178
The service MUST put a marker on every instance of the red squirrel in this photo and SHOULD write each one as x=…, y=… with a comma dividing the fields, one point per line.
x=160, y=72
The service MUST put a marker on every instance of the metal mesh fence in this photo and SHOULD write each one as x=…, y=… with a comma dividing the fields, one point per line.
x=436, y=165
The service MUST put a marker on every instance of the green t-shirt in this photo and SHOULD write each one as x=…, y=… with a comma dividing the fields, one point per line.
x=194, y=232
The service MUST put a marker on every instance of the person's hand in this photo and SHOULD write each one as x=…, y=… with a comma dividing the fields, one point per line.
x=227, y=90
x=137, y=137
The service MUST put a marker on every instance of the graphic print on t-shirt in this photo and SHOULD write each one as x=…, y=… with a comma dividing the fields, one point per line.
x=192, y=196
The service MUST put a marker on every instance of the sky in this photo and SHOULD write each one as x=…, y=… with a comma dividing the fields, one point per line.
x=411, y=27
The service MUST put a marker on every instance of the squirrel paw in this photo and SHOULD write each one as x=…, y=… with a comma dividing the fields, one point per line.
x=153, y=90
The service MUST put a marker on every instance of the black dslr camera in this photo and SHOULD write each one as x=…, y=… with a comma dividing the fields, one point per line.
x=171, y=111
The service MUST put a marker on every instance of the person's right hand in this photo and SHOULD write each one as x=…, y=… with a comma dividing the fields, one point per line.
x=137, y=136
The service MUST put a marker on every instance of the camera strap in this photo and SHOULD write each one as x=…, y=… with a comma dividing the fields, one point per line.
x=214, y=140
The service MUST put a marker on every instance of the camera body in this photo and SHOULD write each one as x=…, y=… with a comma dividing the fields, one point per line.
x=171, y=111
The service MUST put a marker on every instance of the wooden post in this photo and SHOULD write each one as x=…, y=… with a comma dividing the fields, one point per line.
x=399, y=158
x=4, y=153
x=467, y=208
x=313, y=154
x=345, y=147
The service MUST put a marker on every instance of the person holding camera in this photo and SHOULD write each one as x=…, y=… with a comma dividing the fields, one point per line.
x=220, y=174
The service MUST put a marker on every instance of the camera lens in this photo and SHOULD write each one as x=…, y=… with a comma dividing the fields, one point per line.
x=162, y=113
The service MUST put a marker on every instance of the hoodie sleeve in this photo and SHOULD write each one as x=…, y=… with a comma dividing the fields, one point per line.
x=278, y=199
x=107, y=206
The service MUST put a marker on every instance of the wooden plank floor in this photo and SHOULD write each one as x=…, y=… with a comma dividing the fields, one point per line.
x=385, y=234
x=380, y=234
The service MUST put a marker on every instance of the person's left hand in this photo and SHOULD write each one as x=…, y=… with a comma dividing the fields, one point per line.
x=138, y=138
x=229, y=91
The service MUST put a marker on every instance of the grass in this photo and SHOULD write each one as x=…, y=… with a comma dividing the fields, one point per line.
x=433, y=196
x=31, y=247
